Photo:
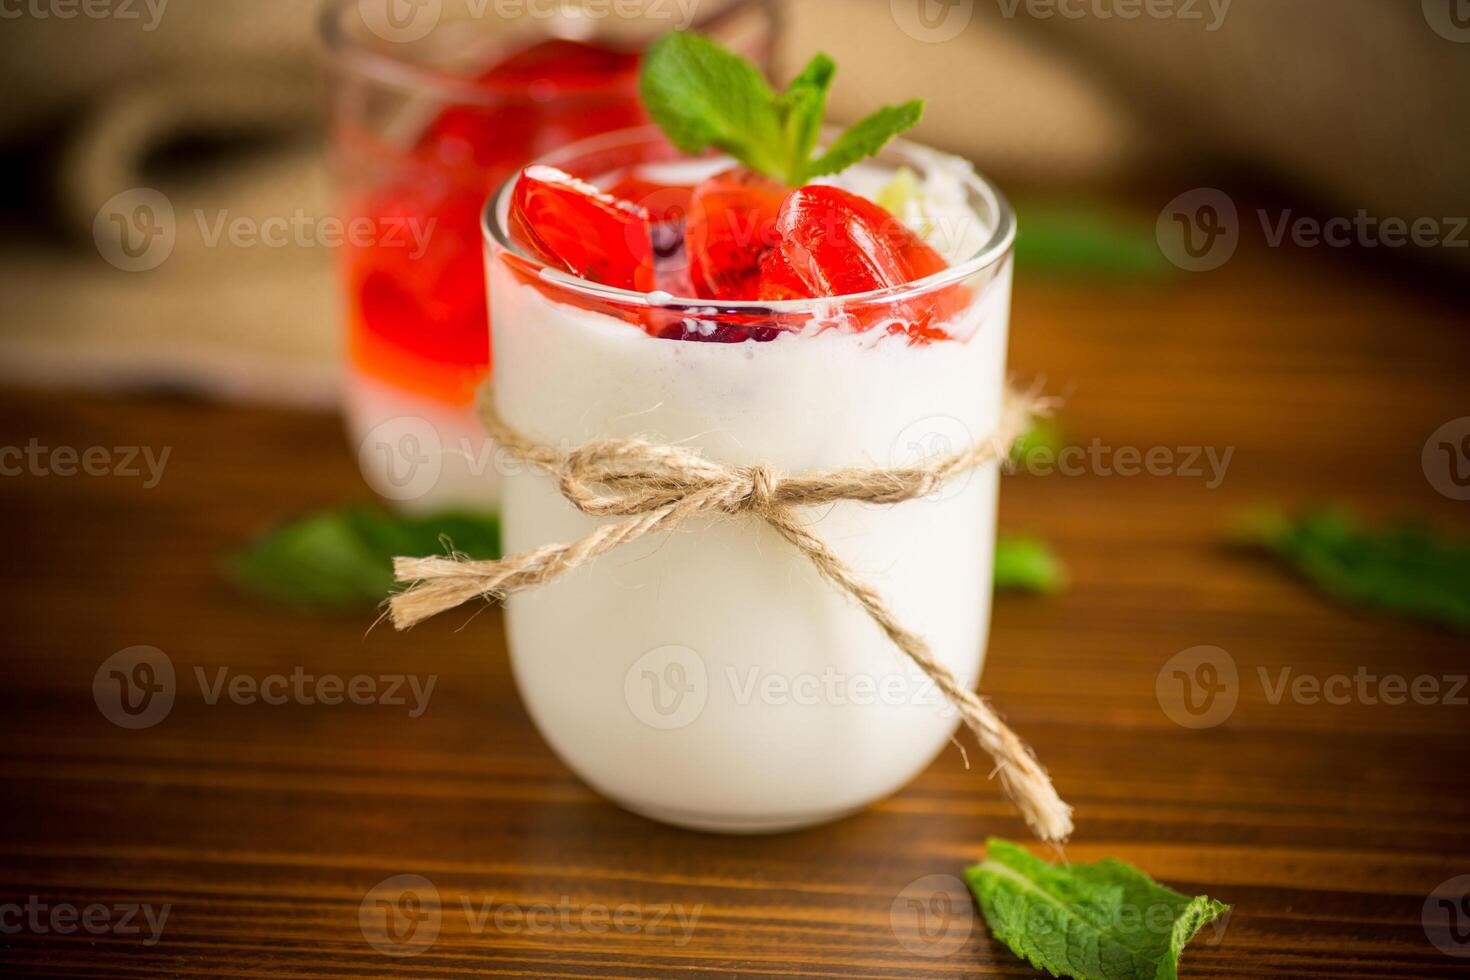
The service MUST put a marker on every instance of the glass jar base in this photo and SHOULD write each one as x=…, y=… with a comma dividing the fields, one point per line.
x=728, y=824
x=420, y=455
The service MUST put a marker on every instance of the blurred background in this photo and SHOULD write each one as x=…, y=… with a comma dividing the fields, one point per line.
x=225, y=107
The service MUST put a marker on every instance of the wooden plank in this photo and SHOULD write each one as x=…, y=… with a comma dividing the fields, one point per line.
x=264, y=827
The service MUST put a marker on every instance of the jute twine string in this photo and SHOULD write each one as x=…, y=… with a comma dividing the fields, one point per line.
x=652, y=487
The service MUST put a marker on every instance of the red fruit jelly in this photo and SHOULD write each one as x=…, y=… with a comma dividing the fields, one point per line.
x=665, y=203
x=835, y=243
x=537, y=99
x=573, y=226
x=732, y=227
x=419, y=314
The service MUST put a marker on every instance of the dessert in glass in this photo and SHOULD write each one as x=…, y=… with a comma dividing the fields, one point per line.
x=426, y=123
x=710, y=677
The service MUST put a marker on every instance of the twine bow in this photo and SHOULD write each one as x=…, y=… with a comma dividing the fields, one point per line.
x=650, y=487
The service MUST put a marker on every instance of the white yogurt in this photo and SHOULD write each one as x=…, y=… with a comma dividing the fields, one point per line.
x=709, y=677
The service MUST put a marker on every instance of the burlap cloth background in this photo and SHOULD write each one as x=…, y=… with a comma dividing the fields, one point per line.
x=1356, y=102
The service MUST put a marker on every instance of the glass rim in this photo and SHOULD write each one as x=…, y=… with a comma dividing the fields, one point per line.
x=400, y=73
x=996, y=249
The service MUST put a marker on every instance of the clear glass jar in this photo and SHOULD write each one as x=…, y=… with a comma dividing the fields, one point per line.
x=433, y=106
x=709, y=677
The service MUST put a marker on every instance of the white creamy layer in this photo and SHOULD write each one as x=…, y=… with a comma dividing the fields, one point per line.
x=658, y=671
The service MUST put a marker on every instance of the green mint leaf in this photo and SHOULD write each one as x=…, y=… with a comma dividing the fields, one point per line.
x=1027, y=565
x=1041, y=444
x=803, y=106
x=1103, y=921
x=343, y=559
x=1405, y=569
x=1087, y=242
x=701, y=95
x=865, y=138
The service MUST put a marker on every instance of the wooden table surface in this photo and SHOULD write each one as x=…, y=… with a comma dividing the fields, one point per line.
x=264, y=828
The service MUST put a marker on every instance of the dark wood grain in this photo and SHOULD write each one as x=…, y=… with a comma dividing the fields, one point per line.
x=264, y=827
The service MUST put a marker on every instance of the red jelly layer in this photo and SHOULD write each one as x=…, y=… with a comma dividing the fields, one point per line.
x=419, y=318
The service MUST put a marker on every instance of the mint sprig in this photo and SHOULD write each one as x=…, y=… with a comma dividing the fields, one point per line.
x=865, y=138
x=703, y=96
x=1103, y=921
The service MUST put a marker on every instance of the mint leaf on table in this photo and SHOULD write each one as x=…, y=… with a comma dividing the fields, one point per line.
x=1027, y=565
x=343, y=559
x=1103, y=921
x=1086, y=242
x=1043, y=438
x=702, y=95
x=1404, y=569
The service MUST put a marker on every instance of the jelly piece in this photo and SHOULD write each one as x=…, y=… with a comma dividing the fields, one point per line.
x=668, y=209
x=732, y=227
x=835, y=243
x=572, y=226
x=779, y=280
x=670, y=262
x=665, y=203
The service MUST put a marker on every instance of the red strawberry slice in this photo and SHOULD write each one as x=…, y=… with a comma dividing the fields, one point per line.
x=572, y=226
x=835, y=243
x=732, y=227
